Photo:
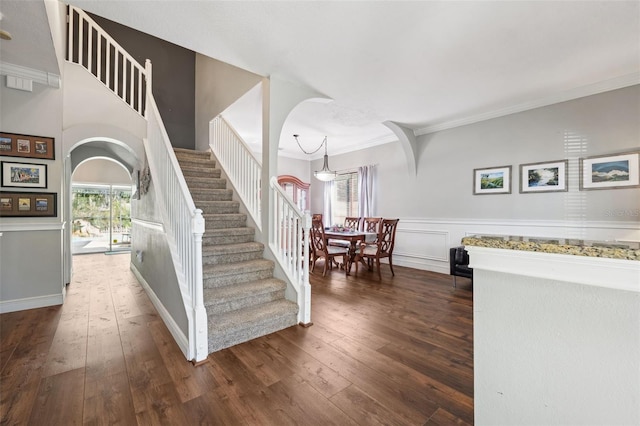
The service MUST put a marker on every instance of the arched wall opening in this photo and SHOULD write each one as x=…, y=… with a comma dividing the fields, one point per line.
x=99, y=160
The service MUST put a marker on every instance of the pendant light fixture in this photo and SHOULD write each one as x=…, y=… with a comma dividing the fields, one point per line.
x=325, y=174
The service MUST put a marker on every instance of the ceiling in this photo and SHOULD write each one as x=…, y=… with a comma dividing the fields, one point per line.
x=426, y=65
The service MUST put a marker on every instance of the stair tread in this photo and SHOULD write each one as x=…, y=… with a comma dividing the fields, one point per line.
x=237, y=267
x=230, y=231
x=222, y=216
x=232, y=248
x=222, y=294
x=230, y=322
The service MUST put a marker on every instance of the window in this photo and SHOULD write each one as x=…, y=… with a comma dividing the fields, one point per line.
x=344, y=198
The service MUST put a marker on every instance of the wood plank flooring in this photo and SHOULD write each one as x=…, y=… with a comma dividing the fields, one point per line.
x=395, y=352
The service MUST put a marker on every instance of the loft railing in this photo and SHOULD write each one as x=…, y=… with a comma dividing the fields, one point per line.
x=239, y=163
x=90, y=46
x=287, y=224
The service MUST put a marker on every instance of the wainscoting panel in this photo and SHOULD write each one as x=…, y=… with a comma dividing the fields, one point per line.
x=421, y=244
x=424, y=243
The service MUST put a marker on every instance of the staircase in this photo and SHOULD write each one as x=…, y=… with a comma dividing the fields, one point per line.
x=242, y=298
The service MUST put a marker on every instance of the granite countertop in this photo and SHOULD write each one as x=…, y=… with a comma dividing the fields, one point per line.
x=605, y=249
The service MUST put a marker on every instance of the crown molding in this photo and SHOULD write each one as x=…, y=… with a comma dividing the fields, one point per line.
x=567, y=95
x=41, y=77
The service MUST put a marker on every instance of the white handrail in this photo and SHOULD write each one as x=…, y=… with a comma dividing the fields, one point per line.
x=120, y=72
x=184, y=225
x=289, y=242
x=239, y=164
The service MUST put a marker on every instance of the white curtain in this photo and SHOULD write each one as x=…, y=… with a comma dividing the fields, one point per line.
x=366, y=191
x=327, y=218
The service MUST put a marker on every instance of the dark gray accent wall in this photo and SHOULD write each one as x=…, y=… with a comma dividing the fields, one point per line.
x=174, y=76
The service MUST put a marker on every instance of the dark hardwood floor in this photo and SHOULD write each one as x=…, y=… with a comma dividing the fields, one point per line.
x=395, y=352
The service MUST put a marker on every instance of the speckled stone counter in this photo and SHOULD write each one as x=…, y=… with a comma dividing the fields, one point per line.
x=602, y=249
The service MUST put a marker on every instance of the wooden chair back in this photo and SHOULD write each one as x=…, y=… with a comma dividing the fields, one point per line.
x=371, y=224
x=387, y=236
x=352, y=223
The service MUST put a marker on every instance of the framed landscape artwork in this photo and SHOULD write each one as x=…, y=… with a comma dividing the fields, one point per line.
x=494, y=180
x=23, y=175
x=16, y=145
x=550, y=176
x=610, y=171
x=28, y=204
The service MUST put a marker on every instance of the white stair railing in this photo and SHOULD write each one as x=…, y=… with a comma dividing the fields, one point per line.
x=287, y=224
x=184, y=226
x=239, y=164
x=288, y=240
x=90, y=46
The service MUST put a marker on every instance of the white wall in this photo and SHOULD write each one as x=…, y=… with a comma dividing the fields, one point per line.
x=295, y=167
x=437, y=207
x=101, y=171
x=218, y=85
x=556, y=339
x=25, y=282
x=151, y=259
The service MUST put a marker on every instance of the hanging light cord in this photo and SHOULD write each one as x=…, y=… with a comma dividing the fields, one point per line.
x=324, y=142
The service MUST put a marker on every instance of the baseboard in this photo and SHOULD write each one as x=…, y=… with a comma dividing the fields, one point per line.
x=30, y=303
x=178, y=335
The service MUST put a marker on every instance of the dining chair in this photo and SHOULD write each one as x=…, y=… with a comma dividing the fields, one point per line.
x=312, y=252
x=323, y=250
x=352, y=223
x=371, y=224
x=382, y=248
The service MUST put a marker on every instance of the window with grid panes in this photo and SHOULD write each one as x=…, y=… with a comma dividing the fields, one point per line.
x=344, y=201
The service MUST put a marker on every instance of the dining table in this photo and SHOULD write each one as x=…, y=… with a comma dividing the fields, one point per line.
x=352, y=237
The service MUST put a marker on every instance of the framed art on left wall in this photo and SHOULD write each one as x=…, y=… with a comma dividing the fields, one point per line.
x=23, y=175
x=28, y=204
x=17, y=145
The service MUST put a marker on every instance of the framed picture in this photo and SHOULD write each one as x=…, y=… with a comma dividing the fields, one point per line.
x=494, y=180
x=610, y=171
x=16, y=145
x=28, y=204
x=23, y=175
x=550, y=176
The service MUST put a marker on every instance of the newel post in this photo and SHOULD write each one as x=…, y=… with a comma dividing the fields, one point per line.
x=304, y=296
x=198, y=332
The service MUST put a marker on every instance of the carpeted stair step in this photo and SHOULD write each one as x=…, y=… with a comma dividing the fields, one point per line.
x=242, y=234
x=211, y=194
x=235, y=273
x=202, y=163
x=193, y=172
x=228, y=220
x=233, y=297
x=190, y=154
x=231, y=253
x=206, y=182
x=243, y=325
x=218, y=207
